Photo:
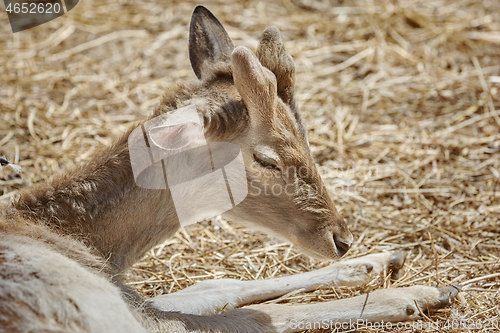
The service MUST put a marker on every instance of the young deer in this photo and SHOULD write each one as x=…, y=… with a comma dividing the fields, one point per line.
x=64, y=245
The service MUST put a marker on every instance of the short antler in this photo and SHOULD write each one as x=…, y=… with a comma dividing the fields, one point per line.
x=256, y=85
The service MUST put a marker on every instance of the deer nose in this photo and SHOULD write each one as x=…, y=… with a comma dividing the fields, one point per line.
x=341, y=245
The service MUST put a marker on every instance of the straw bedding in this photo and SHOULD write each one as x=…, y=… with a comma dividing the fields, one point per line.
x=402, y=102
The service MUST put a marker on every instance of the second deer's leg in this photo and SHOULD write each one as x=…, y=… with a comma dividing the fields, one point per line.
x=381, y=307
x=213, y=296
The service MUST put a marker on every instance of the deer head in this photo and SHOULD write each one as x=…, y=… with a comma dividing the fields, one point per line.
x=248, y=99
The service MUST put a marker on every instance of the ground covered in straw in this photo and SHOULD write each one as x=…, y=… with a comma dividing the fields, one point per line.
x=402, y=102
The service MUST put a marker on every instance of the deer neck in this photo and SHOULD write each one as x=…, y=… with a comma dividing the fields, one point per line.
x=101, y=205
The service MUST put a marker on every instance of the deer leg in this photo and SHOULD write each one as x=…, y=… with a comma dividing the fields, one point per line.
x=381, y=307
x=212, y=296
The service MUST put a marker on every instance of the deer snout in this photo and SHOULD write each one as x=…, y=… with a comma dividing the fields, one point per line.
x=342, y=238
x=342, y=245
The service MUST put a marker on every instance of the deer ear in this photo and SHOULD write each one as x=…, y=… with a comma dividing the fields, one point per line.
x=209, y=42
x=273, y=55
x=256, y=85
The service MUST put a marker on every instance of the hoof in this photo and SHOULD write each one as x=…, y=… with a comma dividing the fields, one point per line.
x=396, y=264
x=447, y=294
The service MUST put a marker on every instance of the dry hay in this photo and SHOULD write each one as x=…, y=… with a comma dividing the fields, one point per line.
x=401, y=100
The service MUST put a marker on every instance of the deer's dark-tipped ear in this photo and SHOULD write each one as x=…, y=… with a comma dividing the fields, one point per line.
x=209, y=42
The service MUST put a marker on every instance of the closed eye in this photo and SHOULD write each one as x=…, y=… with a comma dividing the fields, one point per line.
x=266, y=163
